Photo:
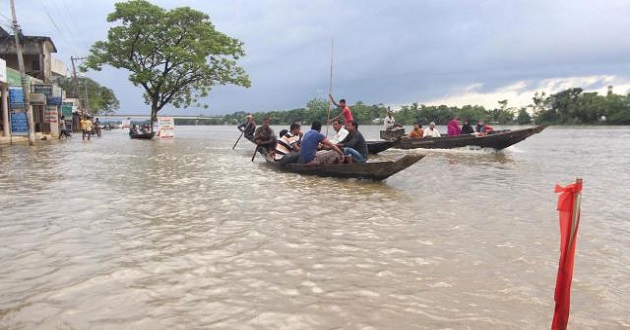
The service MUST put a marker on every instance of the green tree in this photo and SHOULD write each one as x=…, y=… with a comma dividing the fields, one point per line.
x=101, y=100
x=177, y=56
x=523, y=117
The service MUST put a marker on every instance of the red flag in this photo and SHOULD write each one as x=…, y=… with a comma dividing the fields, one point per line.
x=569, y=208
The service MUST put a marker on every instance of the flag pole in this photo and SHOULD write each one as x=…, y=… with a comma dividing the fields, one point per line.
x=569, y=204
x=332, y=57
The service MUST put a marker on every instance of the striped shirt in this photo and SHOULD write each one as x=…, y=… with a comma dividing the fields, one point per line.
x=285, y=145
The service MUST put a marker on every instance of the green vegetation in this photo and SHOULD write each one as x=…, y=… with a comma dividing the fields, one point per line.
x=177, y=56
x=568, y=107
x=101, y=100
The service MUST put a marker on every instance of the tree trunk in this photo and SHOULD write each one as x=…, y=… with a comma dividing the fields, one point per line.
x=154, y=112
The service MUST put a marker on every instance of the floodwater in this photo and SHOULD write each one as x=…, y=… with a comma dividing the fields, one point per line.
x=187, y=233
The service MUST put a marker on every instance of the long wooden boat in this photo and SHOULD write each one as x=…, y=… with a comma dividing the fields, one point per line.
x=498, y=140
x=145, y=136
x=374, y=147
x=370, y=170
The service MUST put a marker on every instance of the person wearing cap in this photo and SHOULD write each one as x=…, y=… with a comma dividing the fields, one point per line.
x=389, y=121
x=345, y=110
x=248, y=127
x=431, y=131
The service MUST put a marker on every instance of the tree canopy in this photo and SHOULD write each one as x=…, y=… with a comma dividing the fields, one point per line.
x=100, y=99
x=176, y=56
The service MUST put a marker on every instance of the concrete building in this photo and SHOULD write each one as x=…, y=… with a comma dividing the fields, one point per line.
x=41, y=69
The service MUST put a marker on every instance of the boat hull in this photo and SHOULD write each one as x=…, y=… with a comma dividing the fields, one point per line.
x=142, y=136
x=371, y=170
x=374, y=147
x=498, y=141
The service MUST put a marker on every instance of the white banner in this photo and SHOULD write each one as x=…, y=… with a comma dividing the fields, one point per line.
x=3, y=71
x=166, y=127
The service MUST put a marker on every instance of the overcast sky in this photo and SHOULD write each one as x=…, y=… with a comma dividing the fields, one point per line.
x=391, y=52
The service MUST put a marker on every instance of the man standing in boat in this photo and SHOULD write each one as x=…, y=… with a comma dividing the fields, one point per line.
x=354, y=144
x=248, y=128
x=265, y=137
x=308, y=148
x=345, y=111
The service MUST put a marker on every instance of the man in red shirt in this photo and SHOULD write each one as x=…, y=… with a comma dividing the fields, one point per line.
x=345, y=110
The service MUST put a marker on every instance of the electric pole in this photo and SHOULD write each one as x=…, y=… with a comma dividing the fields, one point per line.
x=75, y=83
x=25, y=88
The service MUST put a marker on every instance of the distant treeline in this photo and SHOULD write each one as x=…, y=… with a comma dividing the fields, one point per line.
x=569, y=107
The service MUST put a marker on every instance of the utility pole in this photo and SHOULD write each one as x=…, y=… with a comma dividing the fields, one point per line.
x=75, y=82
x=25, y=88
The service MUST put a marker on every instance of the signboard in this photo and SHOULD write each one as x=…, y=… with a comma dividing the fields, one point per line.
x=16, y=98
x=3, y=71
x=166, y=127
x=66, y=109
x=13, y=78
x=52, y=100
x=19, y=123
x=51, y=115
x=37, y=98
x=42, y=89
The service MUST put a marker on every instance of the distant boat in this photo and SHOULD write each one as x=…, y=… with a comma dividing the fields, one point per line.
x=497, y=140
x=145, y=136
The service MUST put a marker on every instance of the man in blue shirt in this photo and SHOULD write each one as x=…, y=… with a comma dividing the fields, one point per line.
x=308, y=150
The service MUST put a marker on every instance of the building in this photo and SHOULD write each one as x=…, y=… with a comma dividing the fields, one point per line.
x=41, y=69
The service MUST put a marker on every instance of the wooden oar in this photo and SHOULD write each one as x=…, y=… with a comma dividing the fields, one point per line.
x=239, y=138
x=255, y=151
x=235, y=143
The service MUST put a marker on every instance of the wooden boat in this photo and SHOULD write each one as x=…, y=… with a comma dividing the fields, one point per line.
x=498, y=140
x=374, y=147
x=370, y=170
x=145, y=136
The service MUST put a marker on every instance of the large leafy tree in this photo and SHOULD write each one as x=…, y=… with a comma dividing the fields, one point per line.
x=100, y=99
x=177, y=56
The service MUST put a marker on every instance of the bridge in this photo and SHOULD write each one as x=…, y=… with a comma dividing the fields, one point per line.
x=136, y=116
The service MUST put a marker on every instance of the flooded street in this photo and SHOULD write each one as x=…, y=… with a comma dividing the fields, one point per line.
x=187, y=233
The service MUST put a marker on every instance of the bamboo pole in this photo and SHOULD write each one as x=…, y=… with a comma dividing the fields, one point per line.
x=332, y=57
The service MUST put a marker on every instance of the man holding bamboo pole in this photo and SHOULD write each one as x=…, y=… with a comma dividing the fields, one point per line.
x=345, y=111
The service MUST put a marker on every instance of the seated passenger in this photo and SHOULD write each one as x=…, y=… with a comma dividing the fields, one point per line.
x=453, y=129
x=340, y=132
x=466, y=128
x=416, y=133
x=308, y=148
x=431, y=131
x=480, y=127
x=288, y=146
x=265, y=138
x=354, y=144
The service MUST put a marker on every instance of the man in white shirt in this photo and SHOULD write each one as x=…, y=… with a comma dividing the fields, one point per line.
x=431, y=131
x=340, y=132
x=390, y=122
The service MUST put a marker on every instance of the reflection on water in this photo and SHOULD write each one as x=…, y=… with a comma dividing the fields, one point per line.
x=188, y=233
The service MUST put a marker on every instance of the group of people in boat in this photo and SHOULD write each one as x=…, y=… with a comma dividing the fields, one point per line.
x=452, y=128
x=292, y=146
